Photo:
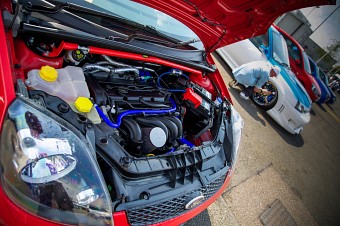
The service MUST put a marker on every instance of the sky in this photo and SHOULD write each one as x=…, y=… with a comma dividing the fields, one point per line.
x=330, y=29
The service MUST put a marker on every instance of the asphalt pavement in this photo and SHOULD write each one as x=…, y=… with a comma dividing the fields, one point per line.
x=300, y=172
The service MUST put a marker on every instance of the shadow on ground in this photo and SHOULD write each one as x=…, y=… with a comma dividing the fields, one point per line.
x=330, y=106
x=203, y=219
x=322, y=107
x=255, y=112
x=312, y=112
x=251, y=108
x=295, y=140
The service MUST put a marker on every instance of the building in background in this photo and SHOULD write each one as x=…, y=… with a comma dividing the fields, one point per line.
x=297, y=25
x=316, y=52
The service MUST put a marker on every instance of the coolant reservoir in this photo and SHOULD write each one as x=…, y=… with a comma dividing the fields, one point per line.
x=66, y=83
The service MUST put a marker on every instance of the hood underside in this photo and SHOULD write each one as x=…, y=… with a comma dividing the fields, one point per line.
x=221, y=22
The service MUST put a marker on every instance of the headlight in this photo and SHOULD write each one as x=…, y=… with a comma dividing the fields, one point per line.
x=315, y=90
x=301, y=108
x=48, y=170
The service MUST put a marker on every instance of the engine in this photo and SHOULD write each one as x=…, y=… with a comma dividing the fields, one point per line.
x=152, y=111
x=151, y=108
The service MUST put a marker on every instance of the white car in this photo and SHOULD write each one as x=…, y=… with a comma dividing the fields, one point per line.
x=289, y=105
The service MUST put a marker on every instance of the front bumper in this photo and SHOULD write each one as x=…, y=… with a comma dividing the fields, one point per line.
x=205, y=178
x=289, y=118
x=205, y=172
x=194, y=212
x=159, y=212
x=314, y=97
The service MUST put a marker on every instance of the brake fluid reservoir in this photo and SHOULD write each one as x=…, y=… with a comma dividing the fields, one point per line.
x=66, y=83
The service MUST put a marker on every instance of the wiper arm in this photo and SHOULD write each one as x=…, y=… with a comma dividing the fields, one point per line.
x=46, y=7
x=155, y=37
x=151, y=30
x=42, y=9
x=67, y=18
x=57, y=7
x=186, y=42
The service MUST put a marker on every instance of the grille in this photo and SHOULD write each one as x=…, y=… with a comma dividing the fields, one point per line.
x=169, y=208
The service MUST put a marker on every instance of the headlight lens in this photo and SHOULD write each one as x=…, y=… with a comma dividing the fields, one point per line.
x=301, y=108
x=314, y=90
x=49, y=170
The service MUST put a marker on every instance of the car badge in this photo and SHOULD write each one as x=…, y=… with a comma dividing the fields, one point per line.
x=194, y=202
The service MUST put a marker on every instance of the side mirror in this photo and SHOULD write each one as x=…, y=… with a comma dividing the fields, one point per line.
x=264, y=50
x=48, y=168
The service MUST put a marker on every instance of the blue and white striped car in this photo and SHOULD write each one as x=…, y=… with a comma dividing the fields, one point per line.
x=289, y=105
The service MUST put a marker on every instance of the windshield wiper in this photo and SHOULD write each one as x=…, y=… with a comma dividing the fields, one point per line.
x=56, y=7
x=142, y=32
x=68, y=18
x=52, y=9
x=184, y=43
x=154, y=31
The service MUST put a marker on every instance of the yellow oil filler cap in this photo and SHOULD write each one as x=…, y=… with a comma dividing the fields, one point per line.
x=48, y=73
x=83, y=104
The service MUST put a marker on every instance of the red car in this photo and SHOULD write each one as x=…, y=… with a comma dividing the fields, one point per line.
x=299, y=63
x=115, y=114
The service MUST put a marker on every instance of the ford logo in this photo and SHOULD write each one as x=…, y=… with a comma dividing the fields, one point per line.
x=194, y=202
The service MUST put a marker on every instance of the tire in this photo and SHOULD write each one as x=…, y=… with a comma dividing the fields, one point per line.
x=266, y=102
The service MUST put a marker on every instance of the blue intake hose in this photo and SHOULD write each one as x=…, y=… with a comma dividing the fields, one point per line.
x=169, y=73
x=133, y=112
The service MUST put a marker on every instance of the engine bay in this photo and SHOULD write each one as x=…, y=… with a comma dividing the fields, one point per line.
x=144, y=117
x=100, y=126
x=153, y=108
x=134, y=130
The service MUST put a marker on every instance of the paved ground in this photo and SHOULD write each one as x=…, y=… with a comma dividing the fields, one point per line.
x=302, y=171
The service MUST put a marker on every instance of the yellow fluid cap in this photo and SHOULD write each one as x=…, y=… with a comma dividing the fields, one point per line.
x=48, y=73
x=83, y=104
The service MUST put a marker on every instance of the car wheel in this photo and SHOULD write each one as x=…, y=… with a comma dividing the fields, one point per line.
x=266, y=101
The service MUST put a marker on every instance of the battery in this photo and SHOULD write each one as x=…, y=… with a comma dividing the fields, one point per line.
x=196, y=104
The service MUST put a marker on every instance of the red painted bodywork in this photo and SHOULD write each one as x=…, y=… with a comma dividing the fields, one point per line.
x=11, y=214
x=7, y=93
x=121, y=218
x=303, y=76
x=221, y=22
x=217, y=23
x=28, y=60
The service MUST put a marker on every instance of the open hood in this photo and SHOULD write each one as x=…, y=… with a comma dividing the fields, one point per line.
x=221, y=22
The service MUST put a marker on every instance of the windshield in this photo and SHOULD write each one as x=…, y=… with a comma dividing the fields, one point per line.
x=306, y=64
x=143, y=15
x=323, y=76
x=280, y=51
x=313, y=67
x=261, y=40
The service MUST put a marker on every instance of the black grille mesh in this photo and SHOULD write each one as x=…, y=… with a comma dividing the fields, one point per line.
x=169, y=208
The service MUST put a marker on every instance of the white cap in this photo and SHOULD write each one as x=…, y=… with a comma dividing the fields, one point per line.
x=157, y=137
x=277, y=69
